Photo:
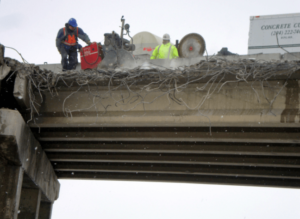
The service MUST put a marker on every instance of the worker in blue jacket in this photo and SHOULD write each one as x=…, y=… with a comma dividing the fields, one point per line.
x=67, y=44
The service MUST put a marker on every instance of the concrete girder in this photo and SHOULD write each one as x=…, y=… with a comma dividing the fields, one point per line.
x=19, y=147
x=205, y=179
x=176, y=154
x=225, y=160
x=168, y=134
x=236, y=105
x=289, y=150
x=178, y=169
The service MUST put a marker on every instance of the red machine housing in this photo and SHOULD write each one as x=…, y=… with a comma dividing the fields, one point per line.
x=91, y=56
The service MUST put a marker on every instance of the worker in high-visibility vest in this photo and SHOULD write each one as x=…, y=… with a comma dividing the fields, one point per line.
x=67, y=44
x=166, y=50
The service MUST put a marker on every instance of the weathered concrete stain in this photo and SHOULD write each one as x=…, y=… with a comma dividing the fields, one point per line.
x=291, y=110
x=19, y=148
x=11, y=178
x=2, y=123
x=9, y=150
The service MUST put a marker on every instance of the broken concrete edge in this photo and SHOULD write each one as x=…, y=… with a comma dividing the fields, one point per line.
x=20, y=92
x=4, y=70
x=57, y=68
x=28, y=153
x=2, y=50
x=192, y=61
x=13, y=66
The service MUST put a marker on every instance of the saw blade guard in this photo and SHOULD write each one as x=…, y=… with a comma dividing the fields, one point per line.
x=191, y=45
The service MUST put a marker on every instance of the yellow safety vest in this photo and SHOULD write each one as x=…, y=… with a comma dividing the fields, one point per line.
x=165, y=51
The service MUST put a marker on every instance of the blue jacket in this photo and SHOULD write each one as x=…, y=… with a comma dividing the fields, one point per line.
x=60, y=38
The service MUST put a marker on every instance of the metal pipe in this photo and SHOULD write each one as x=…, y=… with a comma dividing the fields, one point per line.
x=122, y=30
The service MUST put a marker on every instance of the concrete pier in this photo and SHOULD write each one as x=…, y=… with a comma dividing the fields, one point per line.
x=11, y=178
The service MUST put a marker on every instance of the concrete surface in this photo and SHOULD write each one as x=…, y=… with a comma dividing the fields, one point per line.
x=236, y=105
x=29, y=203
x=11, y=178
x=19, y=147
x=45, y=210
x=57, y=68
x=236, y=138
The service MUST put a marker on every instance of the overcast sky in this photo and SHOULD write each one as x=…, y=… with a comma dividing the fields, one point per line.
x=31, y=27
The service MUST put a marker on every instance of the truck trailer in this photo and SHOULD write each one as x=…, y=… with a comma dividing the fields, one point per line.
x=274, y=34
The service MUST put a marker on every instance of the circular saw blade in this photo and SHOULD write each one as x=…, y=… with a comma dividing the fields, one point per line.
x=192, y=45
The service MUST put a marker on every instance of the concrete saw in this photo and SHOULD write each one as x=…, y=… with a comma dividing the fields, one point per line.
x=191, y=45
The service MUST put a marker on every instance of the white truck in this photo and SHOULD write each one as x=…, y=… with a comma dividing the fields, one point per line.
x=265, y=30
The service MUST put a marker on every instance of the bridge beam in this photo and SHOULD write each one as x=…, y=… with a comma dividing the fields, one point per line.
x=24, y=166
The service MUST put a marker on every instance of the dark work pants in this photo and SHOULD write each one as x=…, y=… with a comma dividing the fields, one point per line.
x=69, y=59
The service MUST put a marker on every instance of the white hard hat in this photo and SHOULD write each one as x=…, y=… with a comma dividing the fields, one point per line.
x=166, y=36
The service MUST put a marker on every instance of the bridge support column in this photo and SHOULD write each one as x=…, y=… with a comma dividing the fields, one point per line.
x=29, y=203
x=11, y=178
x=45, y=210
